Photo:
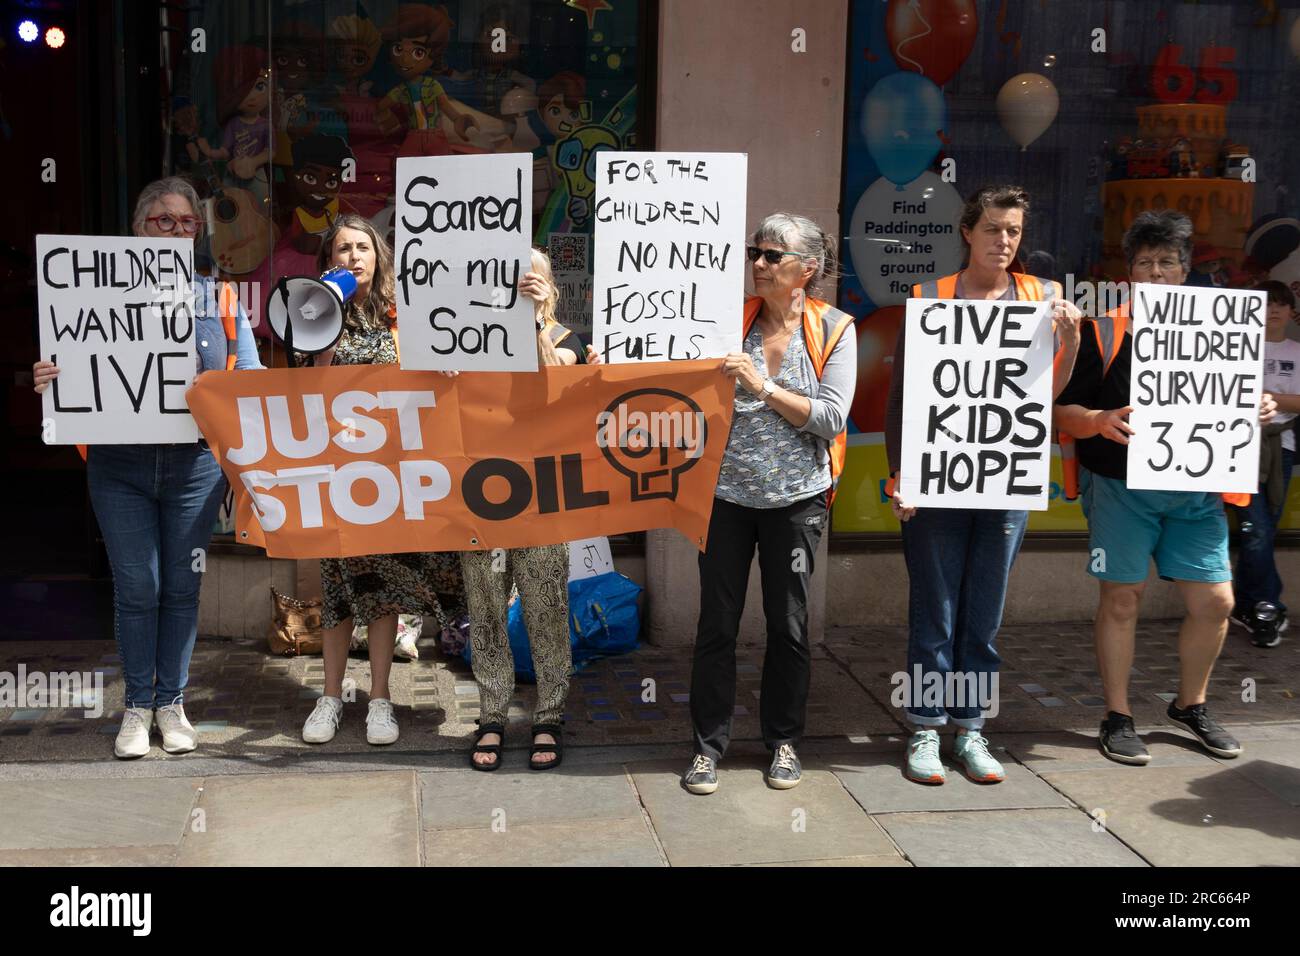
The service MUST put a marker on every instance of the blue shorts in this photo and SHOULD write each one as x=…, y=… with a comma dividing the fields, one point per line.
x=1185, y=531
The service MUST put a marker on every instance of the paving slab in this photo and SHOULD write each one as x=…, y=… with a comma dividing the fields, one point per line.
x=892, y=859
x=53, y=814
x=92, y=856
x=1247, y=733
x=1275, y=766
x=1065, y=752
x=1190, y=816
x=880, y=786
x=294, y=819
x=1006, y=838
x=745, y=821
x=471, y=798
x=595, y=843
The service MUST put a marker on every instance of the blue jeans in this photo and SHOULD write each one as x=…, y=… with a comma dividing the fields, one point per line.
x=958, y=560
x=1256, y=578
x=156, y=504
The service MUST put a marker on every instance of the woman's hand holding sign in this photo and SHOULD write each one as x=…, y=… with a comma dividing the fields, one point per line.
x=740, y=366
x=1113, y=424
x=42, y=374
x=901, y=511
x=1267, y=408
x=1066, y=319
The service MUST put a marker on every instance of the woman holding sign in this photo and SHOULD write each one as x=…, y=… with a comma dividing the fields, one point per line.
x=541, y=574
x=794, y=381
x=959, y=559
x=1185, y=532
x=156, y=506
x=375, y=588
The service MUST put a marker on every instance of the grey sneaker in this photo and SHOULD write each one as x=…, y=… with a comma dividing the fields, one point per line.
x=785, y=770
x=703, y=775
x=1207, y=730
x=1119, y=740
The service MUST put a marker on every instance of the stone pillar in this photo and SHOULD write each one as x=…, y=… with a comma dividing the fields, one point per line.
x=729, y=81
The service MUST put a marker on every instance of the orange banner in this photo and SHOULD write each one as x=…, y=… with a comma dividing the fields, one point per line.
x=370, y=459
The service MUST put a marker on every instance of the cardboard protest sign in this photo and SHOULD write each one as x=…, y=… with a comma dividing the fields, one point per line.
x=977, y=404
x=669, y=255
x=369, y=459
x=589, y=558
x=117, y=318
x=462, y=245
x=1195, y=387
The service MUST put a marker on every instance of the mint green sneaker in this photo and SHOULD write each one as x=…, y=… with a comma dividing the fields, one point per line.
x=972, y=752
x=923, y=764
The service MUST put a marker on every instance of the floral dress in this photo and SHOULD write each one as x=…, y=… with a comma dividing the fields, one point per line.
x=376, y=585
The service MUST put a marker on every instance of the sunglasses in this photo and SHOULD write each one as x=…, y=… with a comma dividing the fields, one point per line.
x=189, y=224
x=772, y=256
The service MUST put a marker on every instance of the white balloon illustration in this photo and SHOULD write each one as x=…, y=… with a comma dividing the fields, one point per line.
x=1027, y=105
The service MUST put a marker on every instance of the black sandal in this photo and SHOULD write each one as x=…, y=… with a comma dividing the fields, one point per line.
x=557, y=748
x=494, y=749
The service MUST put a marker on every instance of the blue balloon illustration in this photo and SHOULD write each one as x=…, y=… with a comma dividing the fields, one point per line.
x=901, y=119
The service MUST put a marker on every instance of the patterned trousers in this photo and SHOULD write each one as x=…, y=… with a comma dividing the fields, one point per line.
x=542, y=577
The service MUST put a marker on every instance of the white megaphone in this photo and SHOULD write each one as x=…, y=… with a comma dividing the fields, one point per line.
x=307, y=314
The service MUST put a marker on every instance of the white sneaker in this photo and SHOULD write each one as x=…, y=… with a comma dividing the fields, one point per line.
x=178, y=734
x=381, y=725
x=323, y=721
x=133, y=739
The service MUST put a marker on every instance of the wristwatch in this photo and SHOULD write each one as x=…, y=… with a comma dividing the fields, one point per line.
x=769, y=387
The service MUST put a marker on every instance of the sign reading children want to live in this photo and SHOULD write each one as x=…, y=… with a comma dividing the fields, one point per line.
x=1196, y=385
x=669, y=255
x=977, y=404
x=117, y=318
x=462, y=246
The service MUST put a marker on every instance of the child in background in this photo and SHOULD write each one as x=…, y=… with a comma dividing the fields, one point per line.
x=1258, y=586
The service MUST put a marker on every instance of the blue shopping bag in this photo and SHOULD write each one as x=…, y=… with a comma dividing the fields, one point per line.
x=603, y=621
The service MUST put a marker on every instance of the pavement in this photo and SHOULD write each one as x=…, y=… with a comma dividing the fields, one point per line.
x=253, y=793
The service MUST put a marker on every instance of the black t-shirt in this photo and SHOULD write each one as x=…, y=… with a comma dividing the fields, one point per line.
x=1089, y=387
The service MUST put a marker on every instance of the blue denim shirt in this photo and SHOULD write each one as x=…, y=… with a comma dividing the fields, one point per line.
x=210, y=335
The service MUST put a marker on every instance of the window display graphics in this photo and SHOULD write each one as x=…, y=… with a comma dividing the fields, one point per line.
x=286, y=128
x=1100, y=110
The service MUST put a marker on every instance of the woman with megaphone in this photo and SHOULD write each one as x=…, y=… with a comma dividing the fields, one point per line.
x=372, y=589
x=157, y=504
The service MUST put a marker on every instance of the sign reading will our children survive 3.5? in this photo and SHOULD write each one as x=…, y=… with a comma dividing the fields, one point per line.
x=462, y=246
x=977, y=404
x=117, y=318
x=670, y=256
x=1197, y=380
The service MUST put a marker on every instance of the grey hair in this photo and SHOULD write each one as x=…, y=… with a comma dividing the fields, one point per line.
x=1154, y=230
x=168, y=186
x=800, y=234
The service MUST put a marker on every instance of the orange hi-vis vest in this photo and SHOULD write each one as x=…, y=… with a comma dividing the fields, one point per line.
x=823, y=326
x=1028, y=287
x=1109, y=330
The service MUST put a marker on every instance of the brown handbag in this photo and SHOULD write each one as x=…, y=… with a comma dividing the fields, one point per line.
x=295, y=626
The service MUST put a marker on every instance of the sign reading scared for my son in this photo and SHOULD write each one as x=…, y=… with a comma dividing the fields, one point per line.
x=1197, y=379
x=977, y=404
x=462, y=247
x=117, y=318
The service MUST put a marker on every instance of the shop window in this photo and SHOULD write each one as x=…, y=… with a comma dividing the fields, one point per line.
x=293, y=113
x=1100, y=109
